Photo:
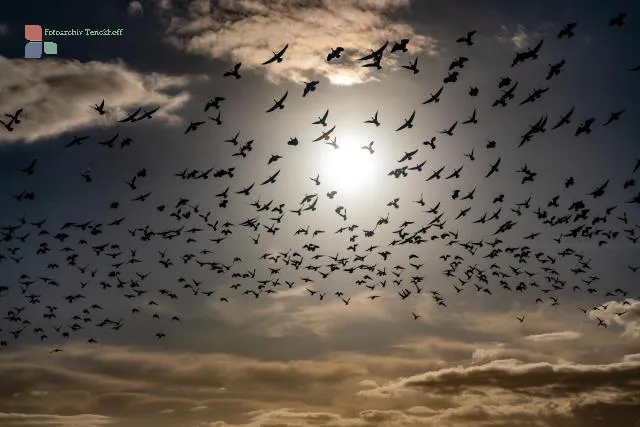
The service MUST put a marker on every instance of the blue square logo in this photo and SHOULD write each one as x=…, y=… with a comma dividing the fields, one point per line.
x=33, y=50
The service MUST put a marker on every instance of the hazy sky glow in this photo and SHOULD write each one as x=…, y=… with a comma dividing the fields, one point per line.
x=453, y=273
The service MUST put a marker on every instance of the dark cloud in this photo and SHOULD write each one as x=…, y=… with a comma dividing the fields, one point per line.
x=57, y=95
x=84, y=420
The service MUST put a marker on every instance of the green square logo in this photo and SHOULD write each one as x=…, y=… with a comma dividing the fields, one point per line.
x=50, y=48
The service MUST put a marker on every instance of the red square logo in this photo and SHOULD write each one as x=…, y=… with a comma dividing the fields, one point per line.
x=33, y=33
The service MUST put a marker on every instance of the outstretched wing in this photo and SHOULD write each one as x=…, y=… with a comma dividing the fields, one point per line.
x=375, y=54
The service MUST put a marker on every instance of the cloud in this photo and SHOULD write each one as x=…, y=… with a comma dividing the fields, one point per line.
x=4, y=29
x=84, y=420
x=135, y=8
x=509, y=392
x=632, y=358
x=248, y=31
x=289, y=314
x=621, y=313
x=554, y=336
x=56, y=95
x=523, y=378
x=339, y=390
x=126, y=380
x=518, y=36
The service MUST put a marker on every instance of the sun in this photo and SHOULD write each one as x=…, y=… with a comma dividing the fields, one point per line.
x=349, y=168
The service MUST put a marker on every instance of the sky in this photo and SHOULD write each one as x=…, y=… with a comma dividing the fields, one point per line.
x=250, y=273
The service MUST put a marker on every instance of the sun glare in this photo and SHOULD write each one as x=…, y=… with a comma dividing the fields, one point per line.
x=342, y=79
x=348, y=168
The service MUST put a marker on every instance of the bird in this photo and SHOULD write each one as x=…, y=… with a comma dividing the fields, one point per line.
x=400, y=46
x=585, y=127
x=193, y=126
x=98, y=107
x=375, y=55
x=310, y=87
x=368, y=147
x=215, y=103
x=322, y=120
x=434, y=97
x=408, y=123
x=467, y=39
x=279, y=103
x=325, y=135
x=413, y=66
x=335, y=53
x=131, y=117
x=374, y=120
x=30, y=168
x=277, y=56
x=618, y=20
x=234, y=71
x=567, y=30
x=554, y=69
x=493, y=169
x=615, y=116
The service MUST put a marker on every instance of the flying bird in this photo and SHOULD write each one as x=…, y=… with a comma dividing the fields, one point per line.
x=278, y=104
x=193, y=126
x=614, y=117
x=567, y=30
x=413, y=66
x=618, y=20
x=408, y=123
x=467, y=39
x=277, y=56
x=322, y=120
x=374, y=120
x=30, y=168
x=98, y=107
x=234, y=71
x=335, y=53
x=271, y=179
x=325, y=135
x=400, y=46
x=310, y=87
x=375, y=54
x=368, y=147
x=434, y=97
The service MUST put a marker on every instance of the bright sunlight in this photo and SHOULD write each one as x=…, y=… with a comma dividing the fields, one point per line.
x=348, y=168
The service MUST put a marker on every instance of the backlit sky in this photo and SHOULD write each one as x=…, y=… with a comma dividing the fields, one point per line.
x=363, y=299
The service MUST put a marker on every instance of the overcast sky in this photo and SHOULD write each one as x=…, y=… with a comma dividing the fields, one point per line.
x=165, y=280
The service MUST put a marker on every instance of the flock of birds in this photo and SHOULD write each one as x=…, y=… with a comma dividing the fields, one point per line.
x=485, y=266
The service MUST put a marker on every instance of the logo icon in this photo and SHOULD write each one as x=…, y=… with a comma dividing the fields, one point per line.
x=35, y=45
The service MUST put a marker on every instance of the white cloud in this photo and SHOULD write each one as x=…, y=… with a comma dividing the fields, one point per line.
x=632, y=357
x=554, y=336
x=625, y=315
x=518, y=37
x=249, y=30
x=56, y=95
x=512, y=374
